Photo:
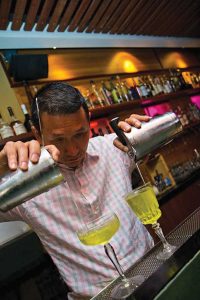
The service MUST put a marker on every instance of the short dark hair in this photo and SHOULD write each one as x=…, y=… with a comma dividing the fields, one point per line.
x=57, y=98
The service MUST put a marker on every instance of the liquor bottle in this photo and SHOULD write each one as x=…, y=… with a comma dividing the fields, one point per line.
x=158, y=85
x=173, y=81
x=167, y=85
x=5, y=129
x=195, y=112
x=96, y=94
x=185, y=117
x=108, y=129
x=159, y=181
x=17, y=125
x=182, y=116
x=148, y=86
x=88, y=99
x=143, y=88
x=107, y=92
x=120, y=93
x=135, y=90
x=94, y=133
x=123, y=88
x=129, y=93
x=100, y=131
x=27, y=118
x=114, y=92
x=183, y=84
x=154, y=89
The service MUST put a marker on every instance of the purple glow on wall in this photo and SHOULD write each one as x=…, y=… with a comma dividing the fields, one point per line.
x=196, y=100
x=158, y=109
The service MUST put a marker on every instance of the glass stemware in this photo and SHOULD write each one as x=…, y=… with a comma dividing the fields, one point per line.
x=144, y=204
x=97, y=228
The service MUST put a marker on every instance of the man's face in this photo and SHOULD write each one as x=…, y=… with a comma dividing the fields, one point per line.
x=69, y=133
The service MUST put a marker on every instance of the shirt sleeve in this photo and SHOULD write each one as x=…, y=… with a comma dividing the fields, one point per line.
x=12, y=215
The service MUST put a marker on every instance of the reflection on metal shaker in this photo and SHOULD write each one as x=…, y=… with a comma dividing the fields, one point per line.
x=152, y=135
x=19, y=186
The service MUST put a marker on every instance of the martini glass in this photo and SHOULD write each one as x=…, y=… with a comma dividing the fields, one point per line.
x=97, y=228
x=144, y=204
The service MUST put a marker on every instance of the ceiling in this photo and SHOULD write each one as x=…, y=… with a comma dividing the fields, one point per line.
x=172, y=18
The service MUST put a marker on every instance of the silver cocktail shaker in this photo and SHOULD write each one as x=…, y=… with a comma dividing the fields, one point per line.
x=152, y=135
x=19, y=186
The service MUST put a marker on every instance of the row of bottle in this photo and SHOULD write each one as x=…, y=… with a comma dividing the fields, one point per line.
x=192, y=78
x=16, y=127
x=100, y=131
x=117, y=90
x=182, y=170
x=161, y=182
x=188, y=114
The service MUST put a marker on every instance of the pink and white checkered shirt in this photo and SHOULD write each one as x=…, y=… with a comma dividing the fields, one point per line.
x=105, y=174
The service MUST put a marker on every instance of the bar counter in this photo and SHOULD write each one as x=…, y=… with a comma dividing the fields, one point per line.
x=176, y=278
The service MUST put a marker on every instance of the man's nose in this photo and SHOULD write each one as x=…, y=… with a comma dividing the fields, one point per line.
x=71, y=149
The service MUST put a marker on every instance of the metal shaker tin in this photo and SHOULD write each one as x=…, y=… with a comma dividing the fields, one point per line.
x=19, y=186
x=152, y=134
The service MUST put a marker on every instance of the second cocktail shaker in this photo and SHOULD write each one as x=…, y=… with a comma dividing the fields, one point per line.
x=152, y=135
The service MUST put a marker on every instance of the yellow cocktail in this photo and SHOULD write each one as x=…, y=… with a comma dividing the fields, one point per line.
x=144, y=203
x=101, y=234
x=98, y=229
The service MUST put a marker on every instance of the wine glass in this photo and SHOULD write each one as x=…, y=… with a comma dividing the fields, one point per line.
x=144, y=203
x=97, y=228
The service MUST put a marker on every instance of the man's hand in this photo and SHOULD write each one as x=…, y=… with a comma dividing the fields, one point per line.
x=17, y=154
x=133, y=120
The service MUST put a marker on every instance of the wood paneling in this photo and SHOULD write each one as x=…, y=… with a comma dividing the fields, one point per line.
x=44, y=15
x=4, y=14
x=54, y=20
x=119, y=16
x=78, y=15
x=18, y=14
x=107, y=15
x=69, y=11
x=98, y=15
x=154, y=17
x=86, y=18
x=31, y=15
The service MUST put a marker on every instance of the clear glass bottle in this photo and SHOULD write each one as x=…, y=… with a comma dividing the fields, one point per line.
x=114, y=92
x=96, y=93
x=135, y=91
x=17, y=125
x=123, y=88
x=27, y=123
x=106, y=93
x=5, y=129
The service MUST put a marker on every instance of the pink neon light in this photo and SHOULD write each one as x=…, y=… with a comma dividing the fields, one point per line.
x=195, y=100
x=158, y=109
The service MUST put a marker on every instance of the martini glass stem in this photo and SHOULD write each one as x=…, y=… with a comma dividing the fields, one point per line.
x=110, y=252
x=159, y=232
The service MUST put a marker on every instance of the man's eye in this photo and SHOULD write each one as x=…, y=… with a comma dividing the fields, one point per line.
x=58, y=140
x=80, y=134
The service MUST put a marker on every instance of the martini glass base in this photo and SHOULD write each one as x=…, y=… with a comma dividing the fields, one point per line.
x=166, y=252
x=126, y=287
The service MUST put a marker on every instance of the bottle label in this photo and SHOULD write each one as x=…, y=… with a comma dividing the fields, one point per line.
x=19, y=128
x=6, y=131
